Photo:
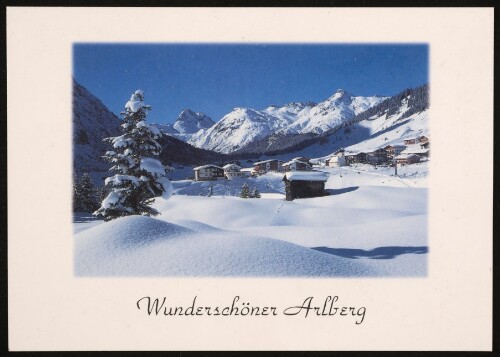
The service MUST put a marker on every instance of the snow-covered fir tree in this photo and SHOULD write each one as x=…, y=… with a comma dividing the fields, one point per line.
x=87, y=194
x=102, y=192
x=139, y=178
x=255, y=193
x=245, y=191
x=75, y=193
x=85, y=197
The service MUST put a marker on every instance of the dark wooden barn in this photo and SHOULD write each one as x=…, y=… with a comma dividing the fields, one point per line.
x=304, y=184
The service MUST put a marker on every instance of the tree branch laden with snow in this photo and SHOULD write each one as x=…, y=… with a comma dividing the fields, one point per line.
x=139, y=178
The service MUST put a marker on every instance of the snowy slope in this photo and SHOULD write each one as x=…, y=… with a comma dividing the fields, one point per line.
x=187, y=123
x=331, y=113
x=92, y=122
x=244, y=126
x=405, y=112
x=392, y=131
x=237, y=129
x=379, y=131
x=381, y=125
x=371, y=224
x=142, y=246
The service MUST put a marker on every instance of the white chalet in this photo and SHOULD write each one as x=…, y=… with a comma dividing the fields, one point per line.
x=337, y=160
x=416, y=149
x=297, y=164
x=233, y=171
x=208, y=173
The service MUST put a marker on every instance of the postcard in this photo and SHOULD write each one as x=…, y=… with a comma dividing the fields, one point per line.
x=250, y=179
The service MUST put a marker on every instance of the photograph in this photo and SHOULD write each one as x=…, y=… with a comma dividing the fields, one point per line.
x=250, y=160
x=250, y=179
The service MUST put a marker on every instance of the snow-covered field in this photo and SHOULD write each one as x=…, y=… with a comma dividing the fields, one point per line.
x=371, y=225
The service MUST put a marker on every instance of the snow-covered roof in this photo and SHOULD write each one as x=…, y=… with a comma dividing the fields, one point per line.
x=334, y=158
x=306, y=176
x=295, y=160
x=396, y=146
x=231, y=167
x=206, y=167
x=415, y=151
x=263, y=162
x=405, y=156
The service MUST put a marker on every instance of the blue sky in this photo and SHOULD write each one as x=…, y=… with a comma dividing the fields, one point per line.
x=215, y=78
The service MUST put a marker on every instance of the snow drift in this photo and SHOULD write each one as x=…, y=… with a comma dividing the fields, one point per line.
x=142, y=246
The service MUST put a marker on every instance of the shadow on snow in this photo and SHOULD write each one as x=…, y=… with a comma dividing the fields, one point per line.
x=83, y=217
x=377, y=253
x=333, y=191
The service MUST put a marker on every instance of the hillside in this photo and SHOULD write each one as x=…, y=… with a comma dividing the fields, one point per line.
x=243, y=127
x=92, y=122
x=390, y=121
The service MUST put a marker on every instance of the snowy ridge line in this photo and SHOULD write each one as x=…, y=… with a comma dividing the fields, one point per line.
x=405, y=104
x=244, y=126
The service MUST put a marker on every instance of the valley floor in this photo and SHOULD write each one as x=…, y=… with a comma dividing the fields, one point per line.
x=371, y=225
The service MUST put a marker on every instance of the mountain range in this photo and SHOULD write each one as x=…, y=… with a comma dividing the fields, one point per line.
x=92, y=122
x=245, y=126
x=187, y=123
x=296, y=129
x=388, y=122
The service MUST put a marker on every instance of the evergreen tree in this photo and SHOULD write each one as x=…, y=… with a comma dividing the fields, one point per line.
x=138, y=178
x=245, y=191
x=76, y=190
x=102, y=192
x=87, y=194
x=256, y=193
x=85, y=197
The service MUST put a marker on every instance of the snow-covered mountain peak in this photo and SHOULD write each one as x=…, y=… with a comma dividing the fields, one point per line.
x=187, y=111
x=300, y=105
x=339, y=96
x=242, y=126
x=189, y=122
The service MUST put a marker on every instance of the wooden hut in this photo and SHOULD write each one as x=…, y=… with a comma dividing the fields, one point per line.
x=304, y=184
